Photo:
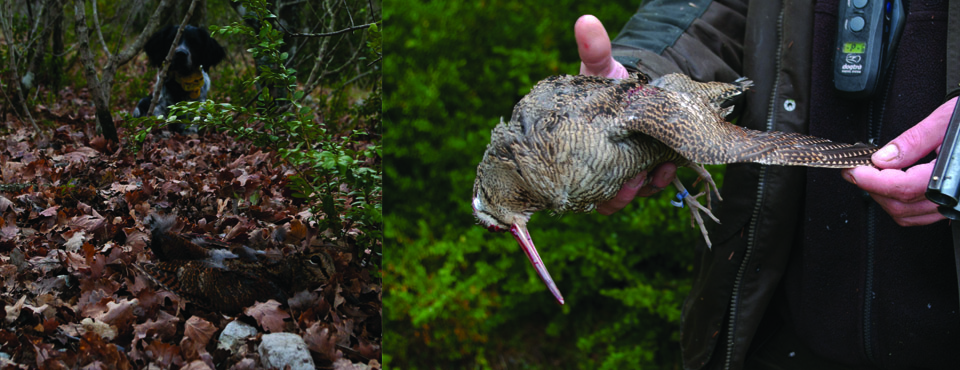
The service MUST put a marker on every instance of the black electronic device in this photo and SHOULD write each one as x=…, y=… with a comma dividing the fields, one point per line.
x=867, y=34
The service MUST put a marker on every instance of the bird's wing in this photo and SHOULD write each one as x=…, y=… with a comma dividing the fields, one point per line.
x=213, y=288
x=689, y=125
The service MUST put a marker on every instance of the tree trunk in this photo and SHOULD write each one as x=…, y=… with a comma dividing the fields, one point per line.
x=100, y=85
x=56, y=59
x=99, y=89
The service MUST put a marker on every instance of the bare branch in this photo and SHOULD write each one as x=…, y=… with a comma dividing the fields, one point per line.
x=12, y=60
x=328, y=34
x=134, y=48
x=96, y=25
x=131, y=13
x=33, y=35
x=349, y=15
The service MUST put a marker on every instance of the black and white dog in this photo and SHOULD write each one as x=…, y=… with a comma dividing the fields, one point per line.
x=187, y=78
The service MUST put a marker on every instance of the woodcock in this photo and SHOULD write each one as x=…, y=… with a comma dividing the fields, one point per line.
x=225, y=278
x=573, y=142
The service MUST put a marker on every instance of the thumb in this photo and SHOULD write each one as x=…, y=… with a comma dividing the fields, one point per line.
x=593, y=43
x=916, y=142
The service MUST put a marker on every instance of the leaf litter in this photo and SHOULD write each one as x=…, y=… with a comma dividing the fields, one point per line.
x=71, y=232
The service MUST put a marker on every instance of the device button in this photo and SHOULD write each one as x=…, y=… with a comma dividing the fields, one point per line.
x=859, y=3
x=857, y=23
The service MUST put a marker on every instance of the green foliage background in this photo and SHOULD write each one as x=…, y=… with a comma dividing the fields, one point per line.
x=460, y=297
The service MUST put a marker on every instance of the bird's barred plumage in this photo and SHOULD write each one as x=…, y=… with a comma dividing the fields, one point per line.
x=208, y=273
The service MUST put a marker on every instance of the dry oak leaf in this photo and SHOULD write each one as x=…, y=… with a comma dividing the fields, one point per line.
x=199, y=330
x=75, y=241
x=104, y=330
x=164, y=327
x=268, y=315
x=163, y=354
x=120, y=314
x=319, y=339
x=80, y=155
x=13, y=311
x=196, y=333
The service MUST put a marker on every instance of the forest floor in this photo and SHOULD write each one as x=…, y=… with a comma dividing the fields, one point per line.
x=72, y=234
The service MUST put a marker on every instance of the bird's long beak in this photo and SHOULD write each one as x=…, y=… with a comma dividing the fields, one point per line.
x=520, y=233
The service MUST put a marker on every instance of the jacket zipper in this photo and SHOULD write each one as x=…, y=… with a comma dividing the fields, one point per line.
x=761, y=185
x=874, y=124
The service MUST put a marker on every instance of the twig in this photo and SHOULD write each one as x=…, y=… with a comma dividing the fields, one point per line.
x=96, y=25
x=350, y=81
x=32, y=37
x=348, y=12
x=334, y=33
x=12, y=59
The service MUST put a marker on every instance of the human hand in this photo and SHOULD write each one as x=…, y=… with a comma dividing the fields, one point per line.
x=901, y=193
x=663, y=175
x=593, y=44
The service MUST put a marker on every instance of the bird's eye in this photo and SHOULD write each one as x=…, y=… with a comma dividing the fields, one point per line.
x=315, y=260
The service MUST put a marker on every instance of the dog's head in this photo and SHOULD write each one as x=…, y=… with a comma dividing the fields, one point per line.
x=196, y=48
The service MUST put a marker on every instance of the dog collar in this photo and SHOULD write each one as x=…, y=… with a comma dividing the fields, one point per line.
x=191, y=83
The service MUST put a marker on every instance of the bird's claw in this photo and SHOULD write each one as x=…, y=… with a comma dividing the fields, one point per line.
x=696, y=207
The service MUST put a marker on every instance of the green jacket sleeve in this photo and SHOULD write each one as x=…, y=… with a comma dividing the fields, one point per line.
x=703, y=39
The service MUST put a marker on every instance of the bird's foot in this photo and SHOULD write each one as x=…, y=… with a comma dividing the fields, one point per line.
x=708, y=183
x=696, y=208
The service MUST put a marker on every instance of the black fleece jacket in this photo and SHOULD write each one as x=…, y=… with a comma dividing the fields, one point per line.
x=859, y=289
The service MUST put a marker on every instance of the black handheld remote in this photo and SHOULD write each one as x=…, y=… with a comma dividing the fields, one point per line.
x=867, y=34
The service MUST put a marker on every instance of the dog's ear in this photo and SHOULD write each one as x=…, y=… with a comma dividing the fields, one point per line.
x=212, y=53
x=159, y=44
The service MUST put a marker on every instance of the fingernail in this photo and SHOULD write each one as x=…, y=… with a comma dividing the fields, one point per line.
x=849, y=177
x=887, y=153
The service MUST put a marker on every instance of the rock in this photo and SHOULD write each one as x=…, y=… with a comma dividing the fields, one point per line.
x=278, y=350
x=344, y=364
x=232, y=337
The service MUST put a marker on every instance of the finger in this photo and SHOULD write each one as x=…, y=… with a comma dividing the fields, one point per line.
x=916, y=142
x=593, y=43
x=905, y=186
x=901, y=210
x=919, y=220
x=624, y=196
x=662, y=176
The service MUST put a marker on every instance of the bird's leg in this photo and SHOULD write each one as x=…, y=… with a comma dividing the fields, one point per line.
x=707, y=181
x=696, y=207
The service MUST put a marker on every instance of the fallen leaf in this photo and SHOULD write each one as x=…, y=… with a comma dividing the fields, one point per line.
x=268, y=315
x=104, y=330
x=13, y=311
x=196, y=333
x=163, y=354
x=319, y=339
x=199, y=330
x=75, y=241
x=82, y=154
x=50, y=212
x=119, y=314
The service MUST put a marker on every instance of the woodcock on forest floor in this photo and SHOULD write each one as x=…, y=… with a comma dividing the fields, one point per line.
x=225, y=278
x=573, y=142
